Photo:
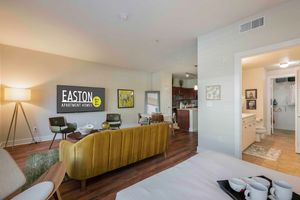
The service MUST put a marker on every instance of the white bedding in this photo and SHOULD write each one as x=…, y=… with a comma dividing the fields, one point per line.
x=195, y=179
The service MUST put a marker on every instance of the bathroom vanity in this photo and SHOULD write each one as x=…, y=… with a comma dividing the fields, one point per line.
x=248, y=130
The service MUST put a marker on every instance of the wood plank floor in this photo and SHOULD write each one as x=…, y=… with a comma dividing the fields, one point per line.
x=288, y=162
x=181, y=147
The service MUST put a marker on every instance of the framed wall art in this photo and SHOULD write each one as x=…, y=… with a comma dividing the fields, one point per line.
x=213, y=92
x=251, y=94
x=74, y=99
x=251, y=104
x=125, y=98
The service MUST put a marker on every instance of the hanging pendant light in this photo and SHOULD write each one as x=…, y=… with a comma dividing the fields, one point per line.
x=196, y=87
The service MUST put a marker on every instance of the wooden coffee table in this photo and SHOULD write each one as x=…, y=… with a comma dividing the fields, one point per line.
x=76, y=136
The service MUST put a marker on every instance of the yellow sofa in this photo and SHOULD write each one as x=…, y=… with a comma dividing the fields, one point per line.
x=108, y=150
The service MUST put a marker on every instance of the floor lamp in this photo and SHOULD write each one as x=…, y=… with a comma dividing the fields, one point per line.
x=17, y=95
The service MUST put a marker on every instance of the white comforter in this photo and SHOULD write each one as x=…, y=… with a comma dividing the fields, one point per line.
x=195, y=179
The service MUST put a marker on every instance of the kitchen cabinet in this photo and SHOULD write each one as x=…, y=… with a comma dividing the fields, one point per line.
x=248, y=130
x=184, y=93
x=187, y=119
x=183, y=119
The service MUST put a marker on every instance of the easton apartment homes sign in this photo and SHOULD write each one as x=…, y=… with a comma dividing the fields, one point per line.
x=72, y=99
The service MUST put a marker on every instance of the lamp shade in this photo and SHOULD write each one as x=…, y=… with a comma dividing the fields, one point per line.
x=17, y=94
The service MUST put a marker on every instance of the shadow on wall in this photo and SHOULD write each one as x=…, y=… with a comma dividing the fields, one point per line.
x=42, y=72
x=1, y=94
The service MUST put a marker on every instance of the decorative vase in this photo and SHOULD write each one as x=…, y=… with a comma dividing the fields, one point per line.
x=105, y=125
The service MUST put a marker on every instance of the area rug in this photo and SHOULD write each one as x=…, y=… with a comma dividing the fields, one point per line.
x=263, y=152
x=39, y=163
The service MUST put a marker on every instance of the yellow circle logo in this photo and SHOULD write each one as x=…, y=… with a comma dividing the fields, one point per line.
x=97, y=101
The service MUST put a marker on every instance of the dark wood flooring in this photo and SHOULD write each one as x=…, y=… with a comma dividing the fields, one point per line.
x=104, y=187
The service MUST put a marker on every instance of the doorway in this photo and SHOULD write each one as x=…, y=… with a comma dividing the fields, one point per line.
x=282, y=110
x=269, y=84
x=185, y=100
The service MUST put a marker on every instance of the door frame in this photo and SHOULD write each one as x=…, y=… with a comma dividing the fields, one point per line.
x=269, y=79
x=238, y=88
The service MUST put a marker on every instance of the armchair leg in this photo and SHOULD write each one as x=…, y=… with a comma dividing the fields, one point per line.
x=52, y=140
x=56, y=195
x=172, y=129
x=83, y=185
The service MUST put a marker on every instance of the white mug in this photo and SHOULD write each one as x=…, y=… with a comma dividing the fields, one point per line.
x=263, y=181
x=256, y=191
x=237, y=184
x=281, y=190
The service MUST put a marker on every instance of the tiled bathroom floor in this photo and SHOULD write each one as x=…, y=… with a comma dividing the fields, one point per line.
x=288, y=162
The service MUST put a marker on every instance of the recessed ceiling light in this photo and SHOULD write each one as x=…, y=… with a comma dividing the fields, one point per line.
x=187, y=75
x=123, y=17
x=284, y=65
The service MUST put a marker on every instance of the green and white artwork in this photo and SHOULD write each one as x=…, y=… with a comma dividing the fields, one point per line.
x=213, y=92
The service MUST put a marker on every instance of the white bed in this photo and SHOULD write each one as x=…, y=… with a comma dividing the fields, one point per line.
x=195, y=179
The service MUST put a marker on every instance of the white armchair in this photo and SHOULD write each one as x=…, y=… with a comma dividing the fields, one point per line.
x=12, y=179
x=40, y=191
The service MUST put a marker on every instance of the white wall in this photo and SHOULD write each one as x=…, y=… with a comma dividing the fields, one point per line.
x=162, y=81
x=283, y=72
x=0, y=92
x=191, y=83
x=255, y=83
x=216, y=61
x=187, y=83
x=42, y=72
x=285, y=114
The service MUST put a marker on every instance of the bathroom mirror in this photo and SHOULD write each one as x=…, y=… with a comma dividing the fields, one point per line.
x=152, y=102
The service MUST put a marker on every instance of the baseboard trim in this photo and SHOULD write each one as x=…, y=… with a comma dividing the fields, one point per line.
x=27, y=140
x=199, y=149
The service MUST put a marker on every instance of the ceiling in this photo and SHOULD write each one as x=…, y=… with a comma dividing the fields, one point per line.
x=271, y=60
x=158, y=34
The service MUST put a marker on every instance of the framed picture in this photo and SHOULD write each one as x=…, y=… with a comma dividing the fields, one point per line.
x=251, y=104
x=251, y=94
x=75, y=99
x=213, y=92
x=125, y=98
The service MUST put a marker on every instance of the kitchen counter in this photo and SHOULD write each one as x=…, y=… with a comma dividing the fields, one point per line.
x=188, y=109
x=188, y=119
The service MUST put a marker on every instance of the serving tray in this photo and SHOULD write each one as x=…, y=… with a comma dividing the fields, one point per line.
x=224, y=185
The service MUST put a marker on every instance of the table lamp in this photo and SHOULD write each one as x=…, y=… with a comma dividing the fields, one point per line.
x=17, y=95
